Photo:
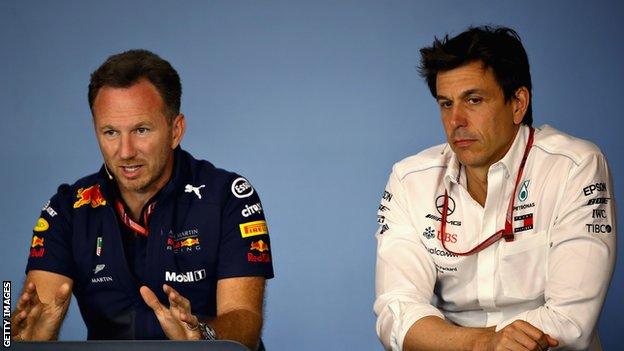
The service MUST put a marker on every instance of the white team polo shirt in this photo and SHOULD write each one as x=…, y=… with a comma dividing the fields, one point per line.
x=555, y=273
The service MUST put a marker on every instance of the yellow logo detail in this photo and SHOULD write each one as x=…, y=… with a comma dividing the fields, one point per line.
x=90, y=195
x=253, y=228
x=36, y=241
x=42, y=225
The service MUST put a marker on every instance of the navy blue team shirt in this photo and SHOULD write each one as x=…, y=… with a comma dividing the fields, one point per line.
x=207, y=224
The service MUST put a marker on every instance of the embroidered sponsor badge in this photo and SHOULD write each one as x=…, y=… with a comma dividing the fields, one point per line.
x=41, y=225
x=241, y=188
x=90, y=195
x=253, y=228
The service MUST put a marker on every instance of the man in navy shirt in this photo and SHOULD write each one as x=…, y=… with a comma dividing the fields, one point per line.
x=156, y=244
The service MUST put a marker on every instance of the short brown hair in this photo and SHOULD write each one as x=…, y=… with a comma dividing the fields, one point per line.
x=127, y=68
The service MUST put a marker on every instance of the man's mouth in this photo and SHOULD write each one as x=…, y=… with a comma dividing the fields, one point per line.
x=130, y=171
x=462, y=143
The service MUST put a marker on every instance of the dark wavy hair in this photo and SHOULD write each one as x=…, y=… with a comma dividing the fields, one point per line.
x=496, y=47
x=127, y=68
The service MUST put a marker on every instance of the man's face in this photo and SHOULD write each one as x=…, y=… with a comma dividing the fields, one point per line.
x=480, y=126
x=135, y=139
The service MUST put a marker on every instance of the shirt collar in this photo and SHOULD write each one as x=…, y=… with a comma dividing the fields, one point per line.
x=510, y=162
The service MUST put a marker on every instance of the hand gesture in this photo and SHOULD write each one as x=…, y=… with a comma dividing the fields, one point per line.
x=176, y=320
x=38, y=321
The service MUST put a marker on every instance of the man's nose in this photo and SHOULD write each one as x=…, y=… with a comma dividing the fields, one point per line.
x=458, y=117
x=127, y=149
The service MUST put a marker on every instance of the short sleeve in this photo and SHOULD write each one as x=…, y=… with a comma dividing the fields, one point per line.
x=51, y=245
x=245, y=247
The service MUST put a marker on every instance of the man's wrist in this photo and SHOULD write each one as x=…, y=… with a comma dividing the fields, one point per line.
x=482, y=340
x=206, y=331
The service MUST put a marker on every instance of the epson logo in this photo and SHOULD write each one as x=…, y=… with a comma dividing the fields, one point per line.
x=241, y=188
x=187, y=277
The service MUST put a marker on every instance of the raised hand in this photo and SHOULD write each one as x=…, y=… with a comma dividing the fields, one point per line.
x=177, y=321
x=38, y=321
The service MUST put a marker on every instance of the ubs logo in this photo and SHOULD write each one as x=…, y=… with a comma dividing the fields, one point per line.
x=440, y=205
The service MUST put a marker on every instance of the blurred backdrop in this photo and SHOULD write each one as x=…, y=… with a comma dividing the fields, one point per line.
x=312, y=100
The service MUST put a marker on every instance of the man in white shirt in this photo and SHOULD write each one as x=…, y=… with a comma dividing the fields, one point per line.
x=503, y=238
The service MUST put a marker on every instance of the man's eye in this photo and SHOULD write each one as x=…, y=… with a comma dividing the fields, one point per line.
x=474, y=100
x=142, y=130
x=110, y=133
x=445, y=104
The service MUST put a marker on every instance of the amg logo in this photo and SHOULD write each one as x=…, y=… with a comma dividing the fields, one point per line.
x=187, y=277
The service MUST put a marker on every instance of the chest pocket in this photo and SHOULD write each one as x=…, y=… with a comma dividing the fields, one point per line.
x=523, y=266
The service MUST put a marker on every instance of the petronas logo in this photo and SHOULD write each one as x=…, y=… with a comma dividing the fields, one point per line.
x=524, y=191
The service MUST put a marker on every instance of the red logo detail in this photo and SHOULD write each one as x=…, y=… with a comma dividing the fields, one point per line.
x=37, y=252
x=262, y=258
x=259, y=246
x=36, y=241
x=189, y=242
x=90, y=195
x=450, y=238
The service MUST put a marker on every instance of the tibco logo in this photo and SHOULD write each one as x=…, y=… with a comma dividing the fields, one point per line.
x=187, y=277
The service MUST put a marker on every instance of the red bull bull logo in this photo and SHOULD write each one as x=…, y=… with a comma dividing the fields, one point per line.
x=190, y=242
x=36, y=241
x=184, y=244
x=259, y=245
x=90, y=195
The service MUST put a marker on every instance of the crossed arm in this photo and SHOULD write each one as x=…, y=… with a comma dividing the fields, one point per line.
x=42, y=306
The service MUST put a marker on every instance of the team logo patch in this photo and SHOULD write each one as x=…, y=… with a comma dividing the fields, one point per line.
x=440, y=205
x=49, y=209
x=263, y=249
x=523, y=194
x=36, y=247
x=241, y=188
x=185, y=241
x=253, y=228
x=429, y=233
x=193, y=189
x=259, y=246
x=98, y=246
x=186, y=277
x=36, y=241
x=41, y=225
x=250, y=210
x=90, y=195
x=526, y=222
x=98, y=268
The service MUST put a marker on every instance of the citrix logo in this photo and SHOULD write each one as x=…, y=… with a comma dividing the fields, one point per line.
x=249, y=210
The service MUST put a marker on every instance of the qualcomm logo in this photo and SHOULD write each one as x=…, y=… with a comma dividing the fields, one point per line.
x=188, y=277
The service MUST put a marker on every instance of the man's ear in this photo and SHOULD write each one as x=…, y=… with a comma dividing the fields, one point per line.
x=520, y=104
x=178, y=128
